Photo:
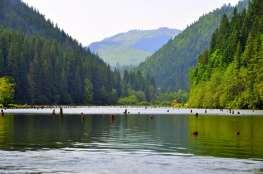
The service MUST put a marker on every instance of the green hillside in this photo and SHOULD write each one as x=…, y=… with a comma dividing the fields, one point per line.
x=133, y=47
x=46, y=66
x=230, y=73
x=170, y=65
x=122, y=56
x=17, y=16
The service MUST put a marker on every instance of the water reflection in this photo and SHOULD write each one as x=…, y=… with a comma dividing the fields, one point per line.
x=227, y=136
x=240, y=137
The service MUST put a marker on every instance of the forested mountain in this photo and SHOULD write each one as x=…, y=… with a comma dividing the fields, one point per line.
x=17, y=16
x=170, y=65
x=230, y=73
x=49, y=67
x=133, y=47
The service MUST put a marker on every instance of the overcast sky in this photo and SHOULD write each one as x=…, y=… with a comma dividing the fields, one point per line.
x=93, y=20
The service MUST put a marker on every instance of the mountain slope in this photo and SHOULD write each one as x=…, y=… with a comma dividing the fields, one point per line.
x=230, y=73
x=46, y=65
x=170, y=65
x=133, y=47
x=16, y=15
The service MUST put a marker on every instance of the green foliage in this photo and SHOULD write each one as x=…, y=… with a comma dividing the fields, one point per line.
x=46, y=72
x=88, y=94
x=49, y=67
x=167, y=98
x=170, y=65
x=134, y=83
x=16, y=15
x=231, y=75
x=138, y=90
x=7, y=89
x=129, y=100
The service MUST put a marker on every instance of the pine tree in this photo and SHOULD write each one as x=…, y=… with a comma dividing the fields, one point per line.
x=231, y=74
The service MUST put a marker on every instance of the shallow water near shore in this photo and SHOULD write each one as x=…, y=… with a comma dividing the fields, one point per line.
x=130, y=110
x=130, y=144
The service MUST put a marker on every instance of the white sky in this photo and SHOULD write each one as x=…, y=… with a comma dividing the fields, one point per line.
x=93, y=20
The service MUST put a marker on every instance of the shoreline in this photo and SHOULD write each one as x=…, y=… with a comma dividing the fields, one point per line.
x=130, y=110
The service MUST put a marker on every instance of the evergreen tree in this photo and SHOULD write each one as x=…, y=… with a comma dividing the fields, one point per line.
x=230, y=73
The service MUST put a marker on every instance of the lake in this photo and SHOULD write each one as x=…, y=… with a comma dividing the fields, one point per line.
x=131, y=144
x=130, y=110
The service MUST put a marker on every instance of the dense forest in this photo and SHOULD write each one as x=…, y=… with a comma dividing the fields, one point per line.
x=17, y=16
x=41, y=64
x=230, y=73
x=46, y=72
x=170, y=65
x=44, y=65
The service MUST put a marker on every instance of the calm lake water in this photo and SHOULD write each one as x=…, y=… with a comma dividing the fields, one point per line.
x=132, y=144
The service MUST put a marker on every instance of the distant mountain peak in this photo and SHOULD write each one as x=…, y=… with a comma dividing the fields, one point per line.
x=165, y=28
x=132, y=47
